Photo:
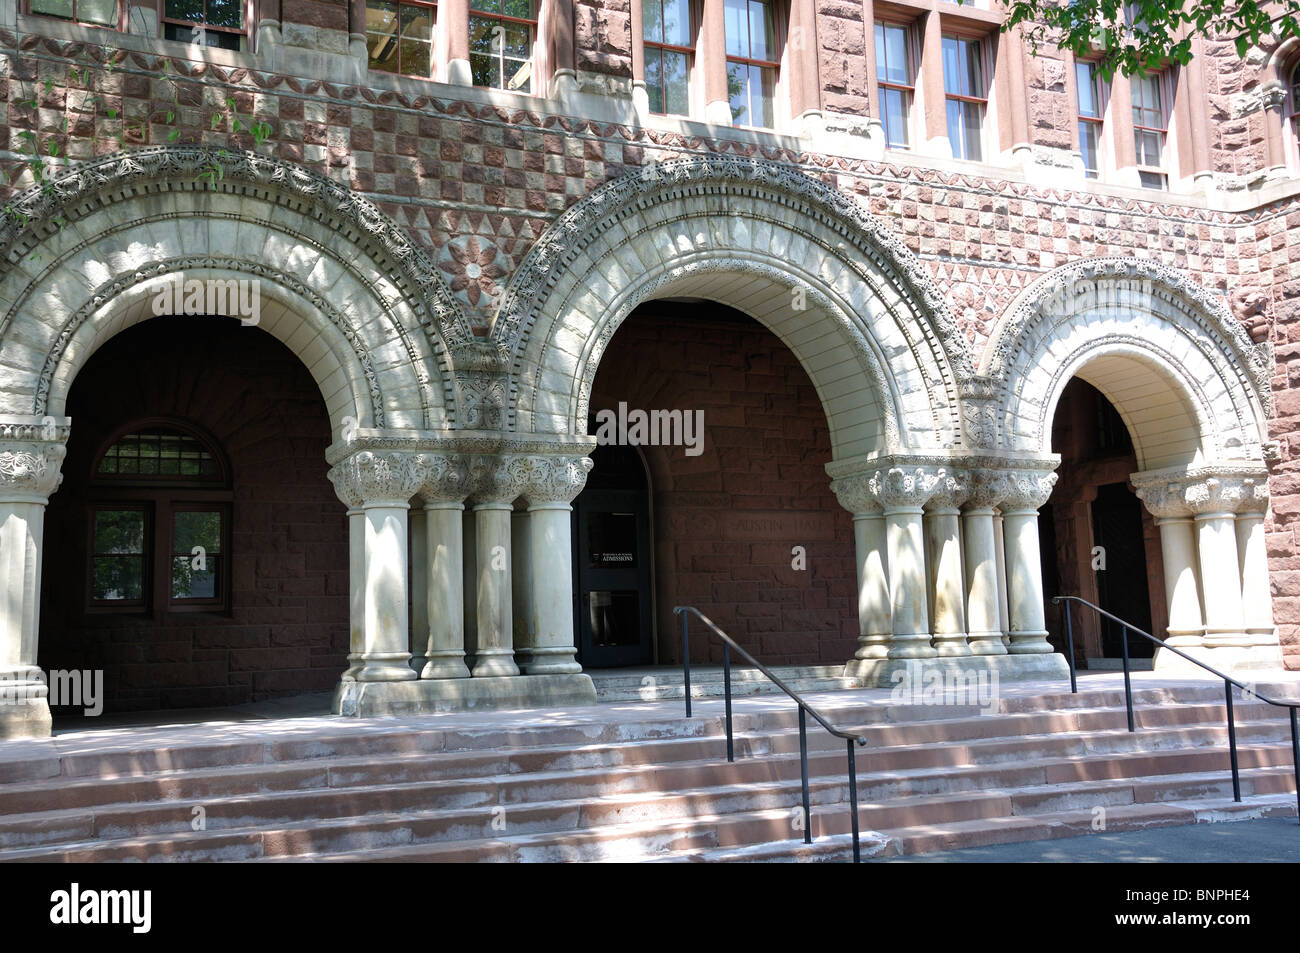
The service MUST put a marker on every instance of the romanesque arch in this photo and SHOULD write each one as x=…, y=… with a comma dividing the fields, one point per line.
x=1190, y=384
x=86, y=254
x=850, y=301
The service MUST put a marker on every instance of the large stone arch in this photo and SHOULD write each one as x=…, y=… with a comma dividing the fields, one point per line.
x=84, y=255
x=1190, y=384
x=844, y=294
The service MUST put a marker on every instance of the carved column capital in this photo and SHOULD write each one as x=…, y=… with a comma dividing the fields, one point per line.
x=1165, y=500
x=446, y=478
x=1029, y=489
x=905, y=486
x=555, y=479
x=855, y=494
x=31, y=456
x=950, y=490
x=377, y=477
x=987, y=488
x=498, y=479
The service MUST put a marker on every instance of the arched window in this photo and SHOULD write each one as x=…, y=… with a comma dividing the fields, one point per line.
x=1293, y=106
x=159, y=521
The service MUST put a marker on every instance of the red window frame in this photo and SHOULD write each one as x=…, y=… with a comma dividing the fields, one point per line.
x=908, y=91
x=688, y=51
x=978, y=44
x=532, y=41
x=1099, y=95
x=430, y=5
x=778, y=43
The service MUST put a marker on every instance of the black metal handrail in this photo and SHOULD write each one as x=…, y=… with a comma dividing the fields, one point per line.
x=728, y=643
x=1228, y=683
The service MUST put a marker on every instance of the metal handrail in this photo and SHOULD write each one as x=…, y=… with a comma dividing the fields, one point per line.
x=1228, y=683
x=728, y=643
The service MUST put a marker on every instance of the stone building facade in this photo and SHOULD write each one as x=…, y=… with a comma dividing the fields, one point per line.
x=880, y=269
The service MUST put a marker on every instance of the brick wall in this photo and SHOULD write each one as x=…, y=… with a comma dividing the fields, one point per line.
x=727, y=520
x=288, y=628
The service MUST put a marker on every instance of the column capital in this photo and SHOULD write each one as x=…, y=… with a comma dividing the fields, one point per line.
x=951, y=490
x=1028, y=489
x=31, y=456
x=905, y=486
x=854, y=493
x=498, y=478
x=373, y=477
x=987, y=488
x=446, y=477
x=555, y=479
x=1172, y=494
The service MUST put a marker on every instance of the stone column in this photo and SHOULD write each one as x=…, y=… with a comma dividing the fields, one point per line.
x=384, y=481
x=443, y=493
x=499, y=481
x=1029, y=491
x=356, y=589
x=869, y=538
x=31, y=455
x=521, y=585
x=902, y=493
x=453, y=23
x=1004, y=611
x=1252, y=557
x=804, y=85
x=552, y=485
x=419, y=588
x=1164, y=500
x=931, y=86
x=983, y=615
x=1214, y=500
x=947, y=585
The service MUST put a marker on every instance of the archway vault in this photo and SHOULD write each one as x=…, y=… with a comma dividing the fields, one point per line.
x=85, y=255
x=1190, y=384
x=831, y=281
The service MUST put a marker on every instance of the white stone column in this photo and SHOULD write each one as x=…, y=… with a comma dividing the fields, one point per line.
x=1252, y=557
x=1030, y=490
x=1004, y=611
x=356, y=589
x=417, y=525
x=521, y=585
x=1186, y=626
x=980, y=540
x=870, y=546
x=443, y=492
x=946, y=581
x=31, y=454
x=384, y=481
x=553, y=483
x=902, y=492
x=1213, y=500
x=499, y=482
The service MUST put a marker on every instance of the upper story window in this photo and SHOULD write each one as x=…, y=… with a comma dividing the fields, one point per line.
x=501, y=37
x=94, y=12
x=159, y=522
x=1090, y=93
x=220, y=23
x=666, y=31
x=1151, y=127
x=751, y=62
x=399, y=37
x=895, y=83
x=966, y=95
x=1293, y=106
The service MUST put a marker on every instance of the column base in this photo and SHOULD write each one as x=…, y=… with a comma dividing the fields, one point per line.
x=874, y=645
x=426, y=696
x=987, y=643
x=1230, y=659
x=951, y=645
x=386, y=668
x=1030, y=643
x=494, y=662
x=911, y=646
x=550, y=661
x=448, y=665
x=24, y=705
x=888, y=673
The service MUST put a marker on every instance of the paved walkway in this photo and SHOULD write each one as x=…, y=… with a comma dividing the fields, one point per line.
x=1273, y=840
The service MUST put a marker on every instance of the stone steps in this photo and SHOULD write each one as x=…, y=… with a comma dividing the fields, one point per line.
x=660, y=684
x=651, y=788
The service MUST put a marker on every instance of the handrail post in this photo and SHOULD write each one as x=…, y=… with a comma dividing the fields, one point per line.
x=1128, y=681
x=726, y=684
x=1069, y=640
x=1232, y=742
x=853, y=801
x=803, y=768
x=1295, y=759
x=686, y=659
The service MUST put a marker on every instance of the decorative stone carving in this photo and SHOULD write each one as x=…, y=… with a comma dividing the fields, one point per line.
x=499, y=479
x=854, y=493
x=1029, y=490
x=370, y=478
x=446, y=478
x=31, y=456
x=94, y=183
x=950, y=490
x=904, y=486
x=988, y=488
x=480, y=368
x=1164, y=500
x=556, y=479
x=1203, y=490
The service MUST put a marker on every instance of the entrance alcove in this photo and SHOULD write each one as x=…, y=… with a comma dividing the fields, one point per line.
x=732, y=525
x=267, y=615
x=1099, y=542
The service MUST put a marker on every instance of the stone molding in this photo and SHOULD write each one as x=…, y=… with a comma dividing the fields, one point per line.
x=31, y=456
x=1203, y=490
x=954, y=481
